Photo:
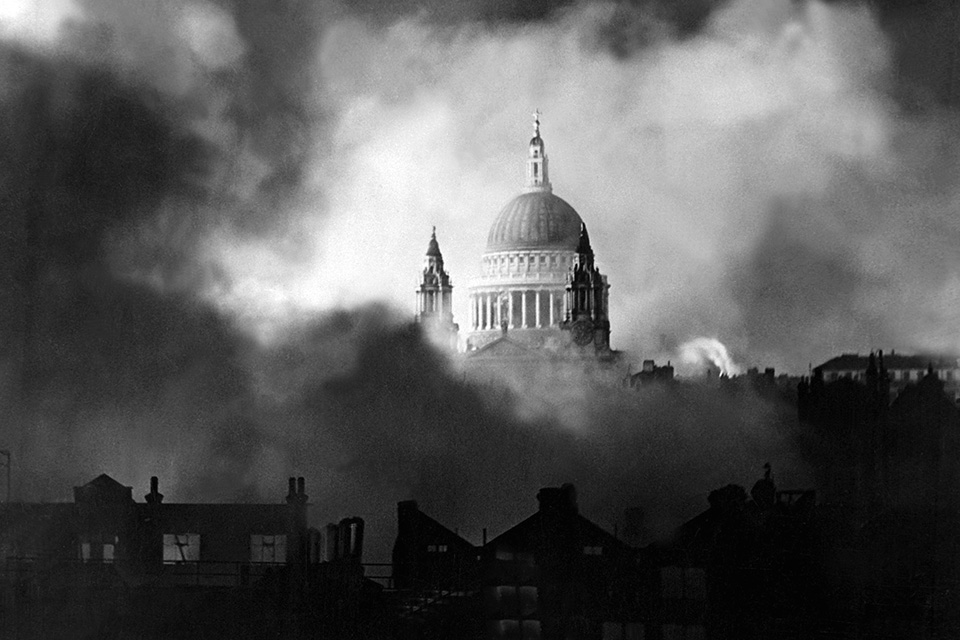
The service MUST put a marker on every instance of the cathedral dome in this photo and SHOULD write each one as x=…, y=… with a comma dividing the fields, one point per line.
x=535, y=220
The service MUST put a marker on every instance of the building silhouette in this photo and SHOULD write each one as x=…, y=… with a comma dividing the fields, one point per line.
x=902, y=369
x=889, y=463
x=107, y=566
x=750, y=566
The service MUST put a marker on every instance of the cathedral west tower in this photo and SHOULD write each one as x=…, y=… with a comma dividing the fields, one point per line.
x=435, y=297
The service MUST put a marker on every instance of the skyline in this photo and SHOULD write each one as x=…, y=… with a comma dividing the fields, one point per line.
x=215, y=213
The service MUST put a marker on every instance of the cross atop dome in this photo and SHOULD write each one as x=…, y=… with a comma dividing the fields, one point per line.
x=433, y=249
x=536, y=123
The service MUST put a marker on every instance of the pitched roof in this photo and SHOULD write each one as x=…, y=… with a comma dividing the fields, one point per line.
x=527, y=533
x=103, y=482
x=103, y=489
x=432, y=529
x=857, y=362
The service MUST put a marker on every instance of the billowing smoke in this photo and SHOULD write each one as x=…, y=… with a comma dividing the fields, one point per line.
x=687, y=159
x=214, y=213
x=702, y=352
x=749, y=182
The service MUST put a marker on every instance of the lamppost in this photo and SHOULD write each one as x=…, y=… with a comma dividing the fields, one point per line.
x=6, y=454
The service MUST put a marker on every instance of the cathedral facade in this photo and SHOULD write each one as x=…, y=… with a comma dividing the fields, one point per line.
x=540, y=294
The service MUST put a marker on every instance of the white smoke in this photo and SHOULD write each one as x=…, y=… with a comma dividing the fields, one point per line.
x=672, y=156
x=701, y=351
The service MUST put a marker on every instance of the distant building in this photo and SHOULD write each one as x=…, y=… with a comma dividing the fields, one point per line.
x=651, y=373
x=882, y=445
x=901, y=369
x=179, y=570
x=889, y=467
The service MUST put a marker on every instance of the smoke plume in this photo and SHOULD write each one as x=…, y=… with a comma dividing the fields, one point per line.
x=214, y=213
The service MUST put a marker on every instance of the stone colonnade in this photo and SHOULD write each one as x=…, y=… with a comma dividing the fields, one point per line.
x=521, y=308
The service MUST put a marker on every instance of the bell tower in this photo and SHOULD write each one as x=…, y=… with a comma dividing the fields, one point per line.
x=587, y=299
x=435, y=297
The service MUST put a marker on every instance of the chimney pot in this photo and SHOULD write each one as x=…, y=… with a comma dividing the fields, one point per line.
x=558, y=498
x=301, y=486
x=154, y=497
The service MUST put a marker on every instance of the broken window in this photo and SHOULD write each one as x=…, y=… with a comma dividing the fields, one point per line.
x=268, y=548
x=181, y=547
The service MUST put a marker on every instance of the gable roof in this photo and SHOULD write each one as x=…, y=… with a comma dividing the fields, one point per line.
x=427, y=529
x=527, y=534
x=103, y=489
x=103, y=482
x=857, y=362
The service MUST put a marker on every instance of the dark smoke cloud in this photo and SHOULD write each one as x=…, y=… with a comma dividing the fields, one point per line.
x=126, y=143
x=684, y=17
x=135, y=378
x=377, y=416
x=148, y=176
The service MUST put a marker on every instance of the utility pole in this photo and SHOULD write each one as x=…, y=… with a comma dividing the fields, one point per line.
x=6, y=454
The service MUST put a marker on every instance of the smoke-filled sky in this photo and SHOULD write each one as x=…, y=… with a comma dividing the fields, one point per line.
x=214, y=215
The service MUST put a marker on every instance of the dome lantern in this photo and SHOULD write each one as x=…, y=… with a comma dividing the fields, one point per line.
x=537, y=179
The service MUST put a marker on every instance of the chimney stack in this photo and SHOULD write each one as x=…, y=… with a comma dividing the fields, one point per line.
x=301, y=489
x=154, y=497
x=561, y=499
x=292, y=493
x=635, y=526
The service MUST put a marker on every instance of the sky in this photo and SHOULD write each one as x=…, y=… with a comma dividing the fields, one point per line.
x=214, y=215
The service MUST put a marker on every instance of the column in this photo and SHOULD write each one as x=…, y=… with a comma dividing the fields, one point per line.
x=536, y=314
x=523, y=309
x=499, y=310
x=510, y=309
x=551, y=308
x=486, y=310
